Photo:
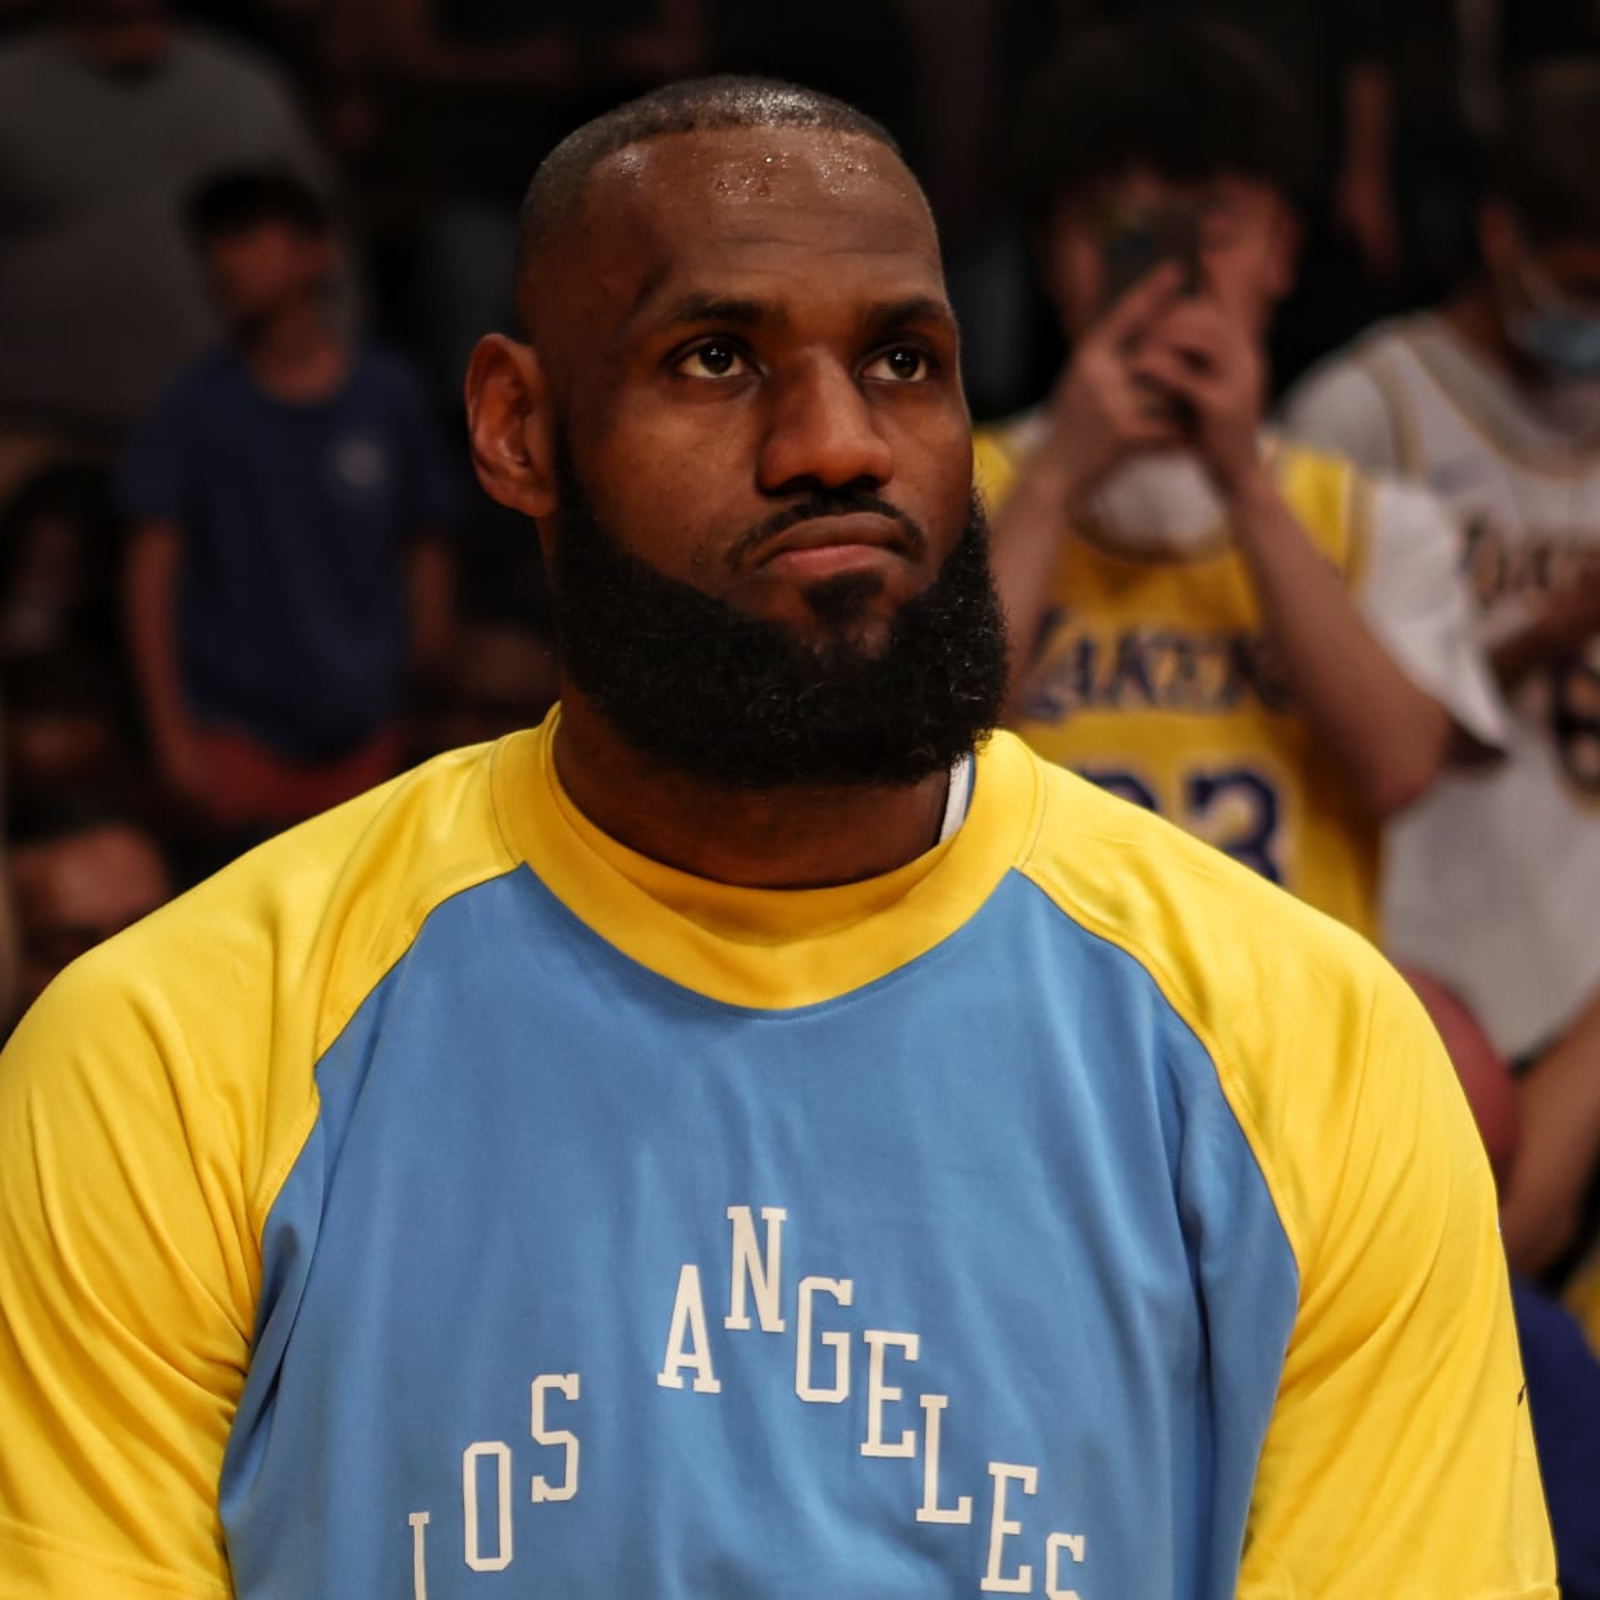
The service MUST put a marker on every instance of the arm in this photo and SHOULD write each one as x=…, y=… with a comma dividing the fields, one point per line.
x=1099, y=412
x=1567, y=620
x=1399, y=1456
x=155, y=552
x=1388, y=736
x=126, y=1273
x=1558, y=1106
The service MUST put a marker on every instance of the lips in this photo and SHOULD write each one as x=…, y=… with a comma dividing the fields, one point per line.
x=862, y=530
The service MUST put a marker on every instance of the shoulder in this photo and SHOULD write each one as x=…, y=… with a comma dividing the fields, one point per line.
x=230, y=995
x=1280, y=997
x=224, y=63
x=1347, y=402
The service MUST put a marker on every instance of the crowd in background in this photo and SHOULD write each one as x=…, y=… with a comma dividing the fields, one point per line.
x=246, y=247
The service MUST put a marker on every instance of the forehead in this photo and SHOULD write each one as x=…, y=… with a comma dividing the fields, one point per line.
x=796, y=208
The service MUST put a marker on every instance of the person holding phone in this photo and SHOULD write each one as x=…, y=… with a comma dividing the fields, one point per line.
x=1240, y=634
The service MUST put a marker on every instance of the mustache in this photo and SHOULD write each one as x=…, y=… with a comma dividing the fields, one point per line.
x=826, y=503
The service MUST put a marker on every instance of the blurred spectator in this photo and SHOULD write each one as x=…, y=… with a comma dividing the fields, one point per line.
x=68, y=732
x=1335, y=54
x=485, y=88
x=1238, y=634
x=1562, y=1370
x=1548, y=1210
x=81, y=873
x=58, y=562
x=1494, y=401
x=287, y=569
x=502, y=677
x=108, y=119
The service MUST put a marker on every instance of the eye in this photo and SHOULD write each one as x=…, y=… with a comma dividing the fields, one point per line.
x=715, y=358
x=903, y=364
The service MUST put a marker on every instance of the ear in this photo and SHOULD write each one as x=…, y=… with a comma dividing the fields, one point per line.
x=509, y=424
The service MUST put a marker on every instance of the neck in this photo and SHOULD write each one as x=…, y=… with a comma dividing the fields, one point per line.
x=297, y=355
x=1475, y=317
x=778, y=839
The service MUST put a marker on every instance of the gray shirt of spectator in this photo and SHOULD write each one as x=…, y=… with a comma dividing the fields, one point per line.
x=101, y=301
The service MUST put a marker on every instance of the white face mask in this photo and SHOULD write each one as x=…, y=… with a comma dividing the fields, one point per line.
x=1157, y=505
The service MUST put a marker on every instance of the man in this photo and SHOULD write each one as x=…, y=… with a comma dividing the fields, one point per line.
x=1237, y=634
x=1494, y=401
x=732, y=1140
x=109, y=117
x=286, y=572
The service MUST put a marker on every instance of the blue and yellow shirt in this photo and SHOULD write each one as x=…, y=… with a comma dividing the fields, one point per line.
x=446, y=1202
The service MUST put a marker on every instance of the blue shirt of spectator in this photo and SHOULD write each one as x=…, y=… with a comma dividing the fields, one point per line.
x=295, y=521
x=1564, y=1393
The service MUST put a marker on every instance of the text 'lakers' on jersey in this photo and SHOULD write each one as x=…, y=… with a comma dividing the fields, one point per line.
x=1155, y=679
x=489, y=1210
x=1491, y=880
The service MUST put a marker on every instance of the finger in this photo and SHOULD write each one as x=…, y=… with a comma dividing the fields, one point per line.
x=1197, y=329
x=1132, y=312
x=1165, y=369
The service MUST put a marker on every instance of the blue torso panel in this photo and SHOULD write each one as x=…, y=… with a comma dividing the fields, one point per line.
x=587, y=1284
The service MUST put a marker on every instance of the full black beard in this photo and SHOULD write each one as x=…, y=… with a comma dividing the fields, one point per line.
x=741, y=702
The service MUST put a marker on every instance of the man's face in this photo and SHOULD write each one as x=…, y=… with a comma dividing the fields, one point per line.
x=77, y=890
x=741, y=430
x=255, y=273
x=1247, y=242
x=758, y=381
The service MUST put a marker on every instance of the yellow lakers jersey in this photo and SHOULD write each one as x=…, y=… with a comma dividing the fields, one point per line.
x=1155, y=678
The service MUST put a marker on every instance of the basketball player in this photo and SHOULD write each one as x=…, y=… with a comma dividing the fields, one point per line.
x=756, y=1135
x=1494, y=401
x=1239, y=634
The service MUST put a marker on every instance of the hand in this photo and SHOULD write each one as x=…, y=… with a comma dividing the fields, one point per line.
x=1571, y=614
x=1204, y=357
x=1104, y=407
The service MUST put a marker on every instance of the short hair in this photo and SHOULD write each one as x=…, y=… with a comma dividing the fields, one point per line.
x=242, y=198
x=1543, y=164
x=1187, y=99
x=555, y=197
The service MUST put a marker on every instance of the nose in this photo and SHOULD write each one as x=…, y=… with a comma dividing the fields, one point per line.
x=821, y=433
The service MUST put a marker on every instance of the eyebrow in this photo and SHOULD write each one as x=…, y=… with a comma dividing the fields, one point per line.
x=699, y=306
x=736, y=312
x=916, y=310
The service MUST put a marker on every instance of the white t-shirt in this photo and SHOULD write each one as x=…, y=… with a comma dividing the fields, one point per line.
x=1492, y=880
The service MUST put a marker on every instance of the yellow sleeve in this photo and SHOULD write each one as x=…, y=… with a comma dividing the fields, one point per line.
x=1400, y=1457
x=151, y=1105
x=127, y=1278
